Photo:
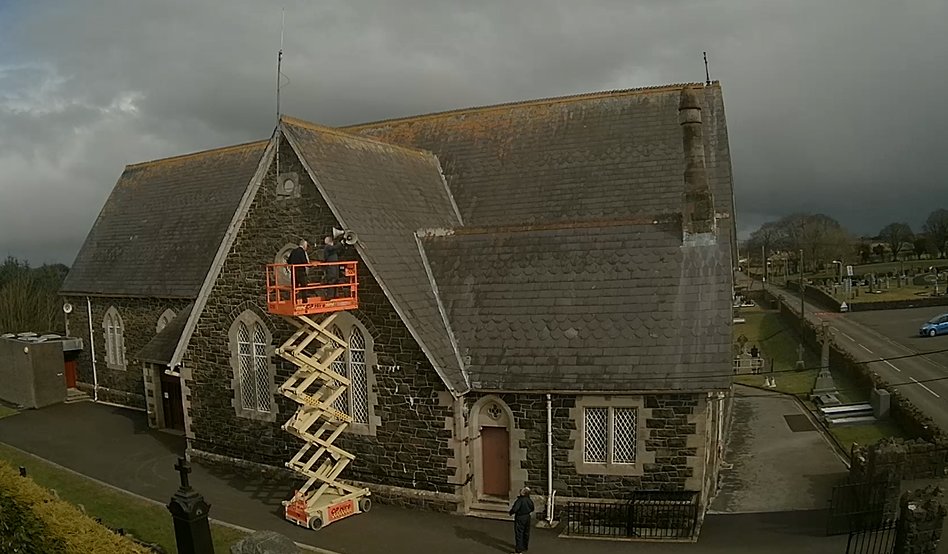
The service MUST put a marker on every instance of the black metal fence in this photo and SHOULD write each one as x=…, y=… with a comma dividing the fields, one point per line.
x=874, y=539
x=647, y=515
x=856, y=506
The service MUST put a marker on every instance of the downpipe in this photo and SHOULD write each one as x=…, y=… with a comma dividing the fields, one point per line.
x=551, y=494
x=95, y=375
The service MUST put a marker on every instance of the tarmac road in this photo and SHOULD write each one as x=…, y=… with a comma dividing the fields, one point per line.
x=890, y=335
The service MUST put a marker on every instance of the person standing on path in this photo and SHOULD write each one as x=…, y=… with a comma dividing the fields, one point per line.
x=522, y=511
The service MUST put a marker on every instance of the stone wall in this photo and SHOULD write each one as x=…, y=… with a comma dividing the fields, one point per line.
x=921, y=517
x=412, y=441
x=674, y=443
x=139, y=318
x=899, y=459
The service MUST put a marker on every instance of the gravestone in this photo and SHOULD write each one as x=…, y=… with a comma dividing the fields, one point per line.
x=189, y=511
x=800, y=365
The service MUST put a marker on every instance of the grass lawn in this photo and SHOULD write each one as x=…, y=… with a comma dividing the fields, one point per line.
x=778, y=345
x=865, y=435
x=895, y=267
x=910, y=292
x=146, y=521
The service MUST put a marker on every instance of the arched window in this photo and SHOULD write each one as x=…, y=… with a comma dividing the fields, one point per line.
x=163, y=320
x=114, y=332
x=358, y=399
x=253, y=372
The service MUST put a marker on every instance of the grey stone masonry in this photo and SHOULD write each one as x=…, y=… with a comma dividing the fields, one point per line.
x=409, y=445
x=921, y=516
x=139, y=317
x=671, y=444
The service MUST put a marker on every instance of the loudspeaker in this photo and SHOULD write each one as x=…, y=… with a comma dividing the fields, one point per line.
x=348, y=237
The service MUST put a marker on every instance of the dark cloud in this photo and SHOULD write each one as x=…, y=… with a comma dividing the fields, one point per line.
x=832, y=107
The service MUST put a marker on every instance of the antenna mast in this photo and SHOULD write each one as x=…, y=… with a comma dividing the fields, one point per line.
x=707, y=74
x=279, y=78
x=280, y=63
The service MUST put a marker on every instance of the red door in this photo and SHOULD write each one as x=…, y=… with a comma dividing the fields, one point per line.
x=70, y=373
x=171, y=404
x=495, y=453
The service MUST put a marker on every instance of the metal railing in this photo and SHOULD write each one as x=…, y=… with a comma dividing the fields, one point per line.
x=748, y=365
x=647, y=515
x=875, y=539
x=313, y=288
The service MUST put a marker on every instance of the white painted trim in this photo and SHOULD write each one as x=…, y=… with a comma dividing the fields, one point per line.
x=362, y=254
x=441, y=310
x=245, y=202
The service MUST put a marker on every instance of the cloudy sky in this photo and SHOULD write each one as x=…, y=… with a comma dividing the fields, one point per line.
x=836, y=107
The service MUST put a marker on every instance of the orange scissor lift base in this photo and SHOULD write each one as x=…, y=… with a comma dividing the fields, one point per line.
x=313, y=348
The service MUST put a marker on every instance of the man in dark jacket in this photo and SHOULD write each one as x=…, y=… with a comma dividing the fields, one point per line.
x=521, y=510
x=299, y=257
x=331, y=252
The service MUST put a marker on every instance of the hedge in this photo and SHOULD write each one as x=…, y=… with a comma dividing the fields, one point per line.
x=33, y=520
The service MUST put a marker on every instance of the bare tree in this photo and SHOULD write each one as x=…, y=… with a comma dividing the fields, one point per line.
x=821, y=238
x=896, y=235
x=28, y=299
x=936, y=226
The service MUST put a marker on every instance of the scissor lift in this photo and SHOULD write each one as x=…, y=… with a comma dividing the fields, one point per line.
x=313, y=348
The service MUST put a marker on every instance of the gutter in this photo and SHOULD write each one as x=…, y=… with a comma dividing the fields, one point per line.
x=95, y=374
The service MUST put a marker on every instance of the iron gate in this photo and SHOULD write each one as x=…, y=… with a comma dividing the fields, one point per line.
x=857, y=506
x=875, y=539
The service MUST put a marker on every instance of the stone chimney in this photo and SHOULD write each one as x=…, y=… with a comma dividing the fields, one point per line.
x=698, y=223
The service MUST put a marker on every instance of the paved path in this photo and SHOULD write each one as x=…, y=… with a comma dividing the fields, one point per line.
x=866, y=343
x=114, y=445
x=776, y=468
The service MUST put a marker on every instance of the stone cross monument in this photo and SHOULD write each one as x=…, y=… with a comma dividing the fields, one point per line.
x=824, y=386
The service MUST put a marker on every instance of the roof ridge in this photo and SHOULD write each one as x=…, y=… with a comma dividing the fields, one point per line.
x=534, y=101
x=362, y=138
x=202, y=152
x=645, y=220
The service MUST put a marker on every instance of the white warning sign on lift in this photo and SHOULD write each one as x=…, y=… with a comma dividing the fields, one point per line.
x=844, y=307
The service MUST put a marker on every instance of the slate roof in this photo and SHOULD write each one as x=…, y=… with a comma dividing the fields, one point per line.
x=160, y=349
x=160, y=228
x=385, y=193
x=612, y=307
x=589, y=157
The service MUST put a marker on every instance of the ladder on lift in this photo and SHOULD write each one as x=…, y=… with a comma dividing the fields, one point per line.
x=323, y=498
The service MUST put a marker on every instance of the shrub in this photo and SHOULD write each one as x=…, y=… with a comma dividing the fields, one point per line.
x=34, y=520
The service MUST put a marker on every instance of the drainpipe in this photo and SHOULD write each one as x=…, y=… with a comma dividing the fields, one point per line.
x=95, y=375
x=549, y=459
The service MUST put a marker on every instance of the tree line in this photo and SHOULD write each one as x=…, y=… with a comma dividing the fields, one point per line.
x=822, y=240
x=29, y=298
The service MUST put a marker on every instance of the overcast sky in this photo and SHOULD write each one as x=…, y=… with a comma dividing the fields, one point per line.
x=836, y=107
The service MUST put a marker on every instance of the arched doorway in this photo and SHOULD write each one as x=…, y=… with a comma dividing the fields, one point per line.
x=492, y=431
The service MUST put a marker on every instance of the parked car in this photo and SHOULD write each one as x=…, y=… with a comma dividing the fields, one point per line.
x=935, y=326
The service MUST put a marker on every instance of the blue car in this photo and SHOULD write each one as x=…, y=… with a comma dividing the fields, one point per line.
x=935, y=326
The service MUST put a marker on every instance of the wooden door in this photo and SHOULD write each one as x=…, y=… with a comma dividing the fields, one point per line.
x=495, y=453
x=171, y=404
x=70, y=374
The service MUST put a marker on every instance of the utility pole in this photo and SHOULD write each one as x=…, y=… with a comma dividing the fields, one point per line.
x=801, y=287
x=763, y=264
